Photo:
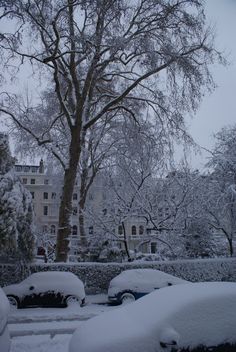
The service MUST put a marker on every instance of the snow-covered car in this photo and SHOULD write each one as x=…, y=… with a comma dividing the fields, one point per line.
x=192, y=317
x=135, y=283
x=46, y=289
x=5, y=341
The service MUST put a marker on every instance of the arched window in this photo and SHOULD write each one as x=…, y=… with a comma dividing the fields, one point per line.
x=120, y=230
x=134, y=231
x=141, y=230
x=53, y=229
x=74, y=230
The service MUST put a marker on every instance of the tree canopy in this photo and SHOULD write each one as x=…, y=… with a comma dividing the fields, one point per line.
x=103, y=60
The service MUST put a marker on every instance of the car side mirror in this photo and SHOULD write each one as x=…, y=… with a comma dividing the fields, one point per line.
x=31, y=288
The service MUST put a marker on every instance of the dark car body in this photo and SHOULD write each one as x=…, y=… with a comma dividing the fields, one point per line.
x=46, y=289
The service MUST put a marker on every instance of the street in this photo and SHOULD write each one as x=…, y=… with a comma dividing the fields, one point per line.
x=50, y=329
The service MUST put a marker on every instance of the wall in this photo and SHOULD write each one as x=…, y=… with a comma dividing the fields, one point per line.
x=97, y=276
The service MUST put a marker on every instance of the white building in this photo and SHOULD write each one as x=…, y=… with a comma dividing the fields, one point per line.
x=46, y=199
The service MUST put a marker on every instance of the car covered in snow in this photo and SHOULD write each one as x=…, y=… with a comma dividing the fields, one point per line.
x=46, y=289
x=135, y=283
x=5, y=341
x=192, y=317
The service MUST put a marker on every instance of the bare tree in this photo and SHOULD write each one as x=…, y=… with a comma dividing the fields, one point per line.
x=101, y=57
x=221, y=186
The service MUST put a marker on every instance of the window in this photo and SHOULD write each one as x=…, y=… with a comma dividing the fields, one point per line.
x=104, y=211
x=120, y=230
x=53, y=229
x=54, y=195
x=75, y=197
x=45, y=195
x=26, y=168
x=133, y=230
x=18, y=168
x=24, y=181
x=74, y=210
x=32, y=195
x=32, y=181
x=141, y=230
x=90, y=230
x=34, y=169
x=45, y=229
x=46, y=181
x=74, y=230
x=153, y=247
x=45, y=210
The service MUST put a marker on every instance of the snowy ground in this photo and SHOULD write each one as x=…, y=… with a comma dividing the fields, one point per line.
x=50, y=329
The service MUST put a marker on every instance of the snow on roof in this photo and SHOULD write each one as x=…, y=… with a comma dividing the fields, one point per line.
x=190, y=314
x=145, y=275
x=58, y=281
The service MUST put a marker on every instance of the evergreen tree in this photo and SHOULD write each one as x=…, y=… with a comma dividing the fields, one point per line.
x=16, y=211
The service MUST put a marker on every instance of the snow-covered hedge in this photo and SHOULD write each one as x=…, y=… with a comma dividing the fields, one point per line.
x=96, y=276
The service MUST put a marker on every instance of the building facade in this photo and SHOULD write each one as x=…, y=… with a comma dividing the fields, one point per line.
x=45, y=193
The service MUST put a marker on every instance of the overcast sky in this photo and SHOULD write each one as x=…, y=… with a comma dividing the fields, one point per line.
x=218, y=109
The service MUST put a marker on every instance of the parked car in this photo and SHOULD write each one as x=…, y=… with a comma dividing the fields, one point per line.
x=46, y=289
x=135, y=283
x=192, y=317
x=5, y=341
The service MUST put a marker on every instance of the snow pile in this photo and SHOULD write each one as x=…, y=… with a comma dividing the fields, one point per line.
x=41, y=344
x=187, y=315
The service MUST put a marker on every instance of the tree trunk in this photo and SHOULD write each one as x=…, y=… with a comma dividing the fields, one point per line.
x=231, y=248
x=126, y=243
x=82, y=232
x=82, y=200
x=64, y=228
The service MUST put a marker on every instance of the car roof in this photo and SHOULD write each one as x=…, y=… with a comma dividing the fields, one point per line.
x=50, y=275
x=145, y=274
